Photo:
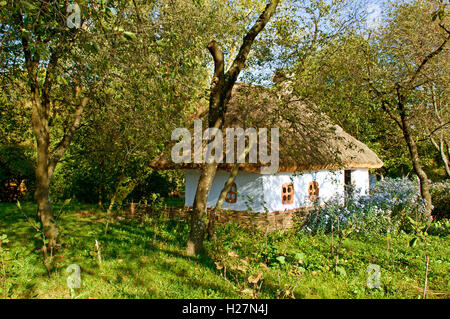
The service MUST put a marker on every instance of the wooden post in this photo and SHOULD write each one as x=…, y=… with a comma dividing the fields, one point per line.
x=426, y=279
x=99, y=256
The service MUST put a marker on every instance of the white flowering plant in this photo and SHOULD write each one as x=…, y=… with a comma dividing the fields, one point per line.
x=385, y=208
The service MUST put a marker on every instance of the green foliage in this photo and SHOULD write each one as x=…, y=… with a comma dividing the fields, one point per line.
x=303, y=266
x=132, y=267
x=419, y=231
x=352, y=79
x=16, y=165
x=4, y=259
x=439, y=228
x=15, y=112
x=164, y=183
x=142, y=74
x=440, y=195
x=85, y=181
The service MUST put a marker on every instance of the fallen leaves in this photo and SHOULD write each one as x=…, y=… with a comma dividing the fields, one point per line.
x=254, y=279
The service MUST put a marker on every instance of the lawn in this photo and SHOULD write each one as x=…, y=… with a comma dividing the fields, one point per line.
x=237, y=264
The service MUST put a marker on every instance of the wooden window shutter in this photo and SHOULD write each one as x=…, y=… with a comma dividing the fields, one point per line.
x=313, y=191
x=232, y=194
x=287, y=194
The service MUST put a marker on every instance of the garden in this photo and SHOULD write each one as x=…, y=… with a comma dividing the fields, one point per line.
x=105, y=193
x=379, y=246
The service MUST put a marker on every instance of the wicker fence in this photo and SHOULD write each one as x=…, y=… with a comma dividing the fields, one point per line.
x=269, y=222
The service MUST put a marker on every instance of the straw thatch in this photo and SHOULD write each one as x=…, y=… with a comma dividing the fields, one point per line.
x=308, y=139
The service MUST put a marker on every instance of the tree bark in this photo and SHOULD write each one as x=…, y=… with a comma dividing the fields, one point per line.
x=441, y=149
x=414, y=153
x=46, y=164
x=220, y=200
x=41, y=102
x=42, y=196
x=197, y=233
x=220, y=94
x=39, y=123
x=444, y=156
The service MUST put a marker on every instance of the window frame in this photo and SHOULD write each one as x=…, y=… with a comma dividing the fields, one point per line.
x=313, y=191
x=285, y=193
x=231, y=196
x=348, y=182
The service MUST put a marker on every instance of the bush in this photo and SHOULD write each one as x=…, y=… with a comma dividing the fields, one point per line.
x=387, y=206
x=439, y=228
x=165, y=183
x=83, y=180
x=16, y=165
x=440, y=197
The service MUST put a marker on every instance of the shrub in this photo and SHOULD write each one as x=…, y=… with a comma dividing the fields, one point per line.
x=439, y=228
x=440, y=197
x=386, y=207
x=16, y=165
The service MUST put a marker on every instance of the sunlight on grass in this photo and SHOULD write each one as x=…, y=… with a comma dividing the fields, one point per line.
x=132, y=267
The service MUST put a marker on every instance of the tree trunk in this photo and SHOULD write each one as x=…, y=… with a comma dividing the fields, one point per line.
x=447, y=145
x=197, y=233
x=45, y=210
x=41, y=104
x=441, y=149
x=220, y=94
x=220, y=200
x=445, y=159
x=212, y=216
x=414, y=153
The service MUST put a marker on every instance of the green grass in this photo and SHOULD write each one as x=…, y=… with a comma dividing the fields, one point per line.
x=133, y=267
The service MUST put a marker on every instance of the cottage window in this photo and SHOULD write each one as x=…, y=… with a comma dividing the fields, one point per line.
x=232, y=194
x=287, y=193
x=348, y=183
x=313, y=191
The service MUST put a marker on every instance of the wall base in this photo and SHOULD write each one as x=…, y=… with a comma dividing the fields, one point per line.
x=268, y=222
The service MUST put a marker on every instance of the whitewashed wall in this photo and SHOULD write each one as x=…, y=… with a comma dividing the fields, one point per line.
x=331, y=183
x=249, y=188
x=261, y=193
x=360, y=179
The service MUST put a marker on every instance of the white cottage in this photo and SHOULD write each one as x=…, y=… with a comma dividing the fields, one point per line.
x=317, y=159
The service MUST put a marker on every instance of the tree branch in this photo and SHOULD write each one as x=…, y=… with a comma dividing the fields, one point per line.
x=217, y=55
x=239, y=62
x=384, y=104
x=64, y=144
x=425, y=61
x=431, y=133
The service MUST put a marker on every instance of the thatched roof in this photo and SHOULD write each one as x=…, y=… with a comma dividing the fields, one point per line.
x=308, y=139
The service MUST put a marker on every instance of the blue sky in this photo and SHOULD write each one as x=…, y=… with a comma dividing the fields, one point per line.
x=374, y=11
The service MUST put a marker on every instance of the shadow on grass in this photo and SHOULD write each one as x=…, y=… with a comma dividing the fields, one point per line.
x=127, y=241
x=130, y=259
